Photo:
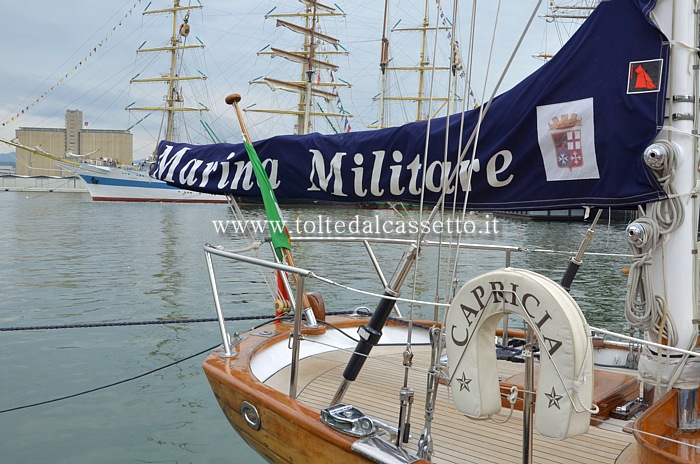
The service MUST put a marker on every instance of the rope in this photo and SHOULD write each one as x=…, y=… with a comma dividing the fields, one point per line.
x=119, y=382
x=644, y=309
x=161, y=322
x=124, y=324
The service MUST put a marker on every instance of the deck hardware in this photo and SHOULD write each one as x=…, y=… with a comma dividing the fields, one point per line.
x=232, y=344
x=683, y=98
x=425, y=446
x=250, y=415
x=637, y=233
x=348, y=419
x=384, y=428
x=379, y=450
x=406, y=398
x=264, y=333
x=406, y=402
x=311, y=321
x=655, y=156
x=361, y=311
x=225, y=339
x=682, y=117
x=425, y=442
x=627, y=410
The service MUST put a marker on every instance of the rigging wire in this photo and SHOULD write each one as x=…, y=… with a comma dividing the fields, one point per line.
x=483, y=109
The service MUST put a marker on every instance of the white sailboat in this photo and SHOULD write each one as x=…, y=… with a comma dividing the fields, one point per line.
x=610, y=121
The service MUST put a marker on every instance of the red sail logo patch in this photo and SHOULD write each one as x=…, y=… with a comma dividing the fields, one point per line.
x=644, y=76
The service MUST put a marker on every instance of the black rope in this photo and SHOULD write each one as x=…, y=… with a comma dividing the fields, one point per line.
x=92, y=390
x=154, y=322
x=173, y=321
x=124, y=324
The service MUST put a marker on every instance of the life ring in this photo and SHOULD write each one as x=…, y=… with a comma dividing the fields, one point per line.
x=565, y=383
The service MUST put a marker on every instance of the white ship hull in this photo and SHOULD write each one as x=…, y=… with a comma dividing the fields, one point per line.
x=117, y=184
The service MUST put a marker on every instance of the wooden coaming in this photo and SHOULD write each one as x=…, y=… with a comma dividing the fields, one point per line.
x=289, y=432
x=610, y=390
x=658, y=423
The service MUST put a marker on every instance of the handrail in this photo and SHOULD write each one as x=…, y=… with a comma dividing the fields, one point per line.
x=645, y=342
x=260, y=262
x=401, y=241
x=228, y=350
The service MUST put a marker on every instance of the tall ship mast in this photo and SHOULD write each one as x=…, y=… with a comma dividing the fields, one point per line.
x=566, y=16
x=173, y=101
x=425, y=105
x=118, y=182
x=315, y=59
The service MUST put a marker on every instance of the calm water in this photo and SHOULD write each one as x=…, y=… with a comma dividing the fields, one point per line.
x=65, y=259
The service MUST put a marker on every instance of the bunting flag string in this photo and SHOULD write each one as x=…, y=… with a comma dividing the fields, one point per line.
x=341, y=109
x=70, y=72
x=338, y=102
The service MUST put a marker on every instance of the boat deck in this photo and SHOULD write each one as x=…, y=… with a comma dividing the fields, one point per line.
x=456, y=438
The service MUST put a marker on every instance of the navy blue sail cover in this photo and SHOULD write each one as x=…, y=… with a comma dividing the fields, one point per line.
x=571, y=134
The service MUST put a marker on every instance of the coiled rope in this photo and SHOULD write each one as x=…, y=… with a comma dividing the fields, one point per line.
x=643, y=309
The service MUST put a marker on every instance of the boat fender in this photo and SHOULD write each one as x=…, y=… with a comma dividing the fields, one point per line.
x=565, y=383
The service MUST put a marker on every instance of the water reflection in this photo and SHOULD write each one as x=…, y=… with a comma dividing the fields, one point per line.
x=66, y=259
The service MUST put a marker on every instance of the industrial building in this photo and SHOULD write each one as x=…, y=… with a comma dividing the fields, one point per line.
x=74, y=143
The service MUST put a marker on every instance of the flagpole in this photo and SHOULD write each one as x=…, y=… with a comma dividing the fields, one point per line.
x=233, y=100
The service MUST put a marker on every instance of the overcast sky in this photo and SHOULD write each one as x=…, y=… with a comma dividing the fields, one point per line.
x=52, y=39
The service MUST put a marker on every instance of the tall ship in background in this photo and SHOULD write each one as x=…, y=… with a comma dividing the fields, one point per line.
x=105, y=176
x=315, y=104
x=411, y=90
x=565, y=17
x=317, y=90
x=107, y=182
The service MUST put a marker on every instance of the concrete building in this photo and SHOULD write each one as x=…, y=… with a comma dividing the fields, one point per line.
x=75, y=139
